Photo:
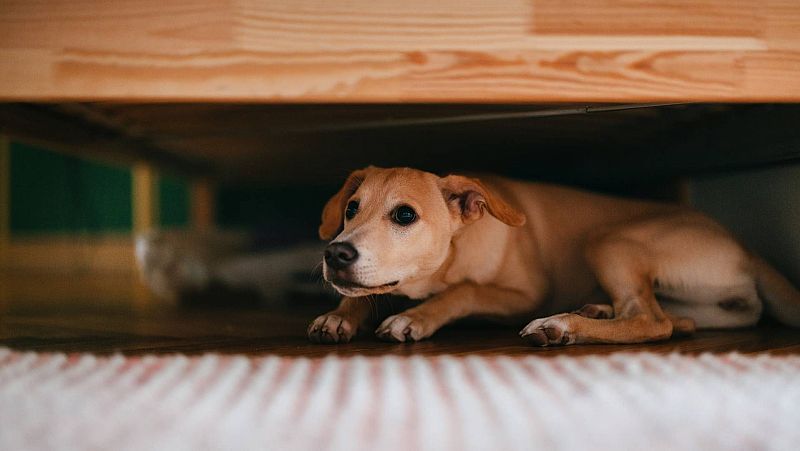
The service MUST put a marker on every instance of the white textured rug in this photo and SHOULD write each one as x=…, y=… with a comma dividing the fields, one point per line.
x=623, y=401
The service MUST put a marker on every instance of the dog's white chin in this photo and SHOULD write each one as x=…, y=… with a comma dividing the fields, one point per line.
x=361, y=292
x=358, y=288
x=367, y=290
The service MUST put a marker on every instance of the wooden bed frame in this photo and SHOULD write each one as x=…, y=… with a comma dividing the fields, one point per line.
x=401, y=51
x=299, y=59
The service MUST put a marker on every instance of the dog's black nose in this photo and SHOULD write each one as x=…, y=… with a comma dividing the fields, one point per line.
x=340, y=255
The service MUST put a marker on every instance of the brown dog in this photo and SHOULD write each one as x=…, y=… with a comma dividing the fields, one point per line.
x=631, y=271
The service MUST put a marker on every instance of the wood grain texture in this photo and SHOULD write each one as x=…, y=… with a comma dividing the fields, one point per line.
x=412, y=51
x=649, y=18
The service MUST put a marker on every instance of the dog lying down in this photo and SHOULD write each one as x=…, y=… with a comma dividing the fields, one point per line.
x=628, y=271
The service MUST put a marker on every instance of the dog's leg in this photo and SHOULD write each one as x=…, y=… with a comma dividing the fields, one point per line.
x=596, y=311
x=340, y=325
x=623, y=270
x=680, y=325
x=458, y=301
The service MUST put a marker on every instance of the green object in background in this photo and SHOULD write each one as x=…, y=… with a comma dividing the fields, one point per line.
x=55, y=193
x=173, y=201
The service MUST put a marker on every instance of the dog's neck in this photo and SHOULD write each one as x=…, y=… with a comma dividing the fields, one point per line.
x=426, y=286
x=473, y=255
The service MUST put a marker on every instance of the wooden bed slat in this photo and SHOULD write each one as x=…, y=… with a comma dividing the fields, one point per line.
x=389, y=51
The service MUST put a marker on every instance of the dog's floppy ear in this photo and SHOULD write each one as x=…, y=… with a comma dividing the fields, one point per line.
x=332, y=214
x=469, y=197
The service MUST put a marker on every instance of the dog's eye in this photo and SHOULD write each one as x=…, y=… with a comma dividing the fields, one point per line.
x=351, y=210
x=404, y=215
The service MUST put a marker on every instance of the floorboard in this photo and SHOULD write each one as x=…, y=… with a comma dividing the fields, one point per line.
x=104, y=321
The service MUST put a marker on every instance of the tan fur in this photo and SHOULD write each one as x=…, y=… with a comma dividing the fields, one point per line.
x=333, y=212
x=646, y=269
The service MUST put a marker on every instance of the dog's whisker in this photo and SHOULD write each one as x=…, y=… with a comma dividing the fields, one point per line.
x=317, y=269
x=373, y=307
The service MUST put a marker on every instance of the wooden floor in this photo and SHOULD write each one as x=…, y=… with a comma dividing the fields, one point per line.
x=111, y=318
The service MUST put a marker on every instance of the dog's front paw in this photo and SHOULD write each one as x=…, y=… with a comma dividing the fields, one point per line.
x=403, y=327
x=331, y=328
x=553, y=330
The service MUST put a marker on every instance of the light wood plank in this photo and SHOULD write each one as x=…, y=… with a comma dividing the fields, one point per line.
x=701, y=18
x=145, y=198
x=389, y=51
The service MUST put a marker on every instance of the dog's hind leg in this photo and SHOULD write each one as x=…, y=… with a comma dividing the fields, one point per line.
x=623, y=270
x=681, y=325
x=780, y=296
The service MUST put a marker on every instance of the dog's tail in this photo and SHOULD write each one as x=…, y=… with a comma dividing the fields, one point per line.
x=782, y=299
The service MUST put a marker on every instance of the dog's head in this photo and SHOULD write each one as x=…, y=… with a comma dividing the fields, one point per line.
x=388, y=227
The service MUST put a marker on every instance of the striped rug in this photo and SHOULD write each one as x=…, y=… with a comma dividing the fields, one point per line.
x=212, y=402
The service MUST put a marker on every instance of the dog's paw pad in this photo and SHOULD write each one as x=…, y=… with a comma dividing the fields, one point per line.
x=402, y=328
x=553, y=330
x=535, y=337
x=331, y=328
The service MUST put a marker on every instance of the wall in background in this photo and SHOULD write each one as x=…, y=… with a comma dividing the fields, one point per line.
x=280, y=215
x=762, y=207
